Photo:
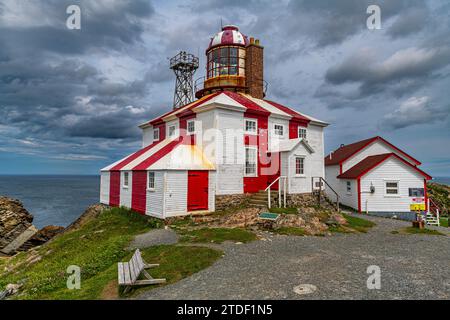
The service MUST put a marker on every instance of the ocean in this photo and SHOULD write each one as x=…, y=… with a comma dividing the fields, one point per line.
x=442, y=180
x=53, y=199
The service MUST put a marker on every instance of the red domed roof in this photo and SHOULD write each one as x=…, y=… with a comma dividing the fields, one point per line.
x=230, y=35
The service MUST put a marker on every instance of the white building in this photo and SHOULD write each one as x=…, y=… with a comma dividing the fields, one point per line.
x=376, y=177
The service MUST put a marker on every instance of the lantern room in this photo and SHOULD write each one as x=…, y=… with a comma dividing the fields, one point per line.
x=228, y=64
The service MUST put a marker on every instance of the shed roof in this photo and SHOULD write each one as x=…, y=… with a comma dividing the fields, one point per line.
x=345, y=152
x=371, y=162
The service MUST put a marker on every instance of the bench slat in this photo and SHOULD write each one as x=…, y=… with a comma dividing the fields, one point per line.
x=120, y=273
x=126, y=272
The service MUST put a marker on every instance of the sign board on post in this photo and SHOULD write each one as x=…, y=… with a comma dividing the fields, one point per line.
x=417, y=207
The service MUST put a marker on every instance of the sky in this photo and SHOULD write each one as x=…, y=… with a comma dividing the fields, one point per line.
x=71, y=100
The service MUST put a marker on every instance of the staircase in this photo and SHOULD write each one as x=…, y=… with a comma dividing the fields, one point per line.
x=432, y=216
x=259, y=199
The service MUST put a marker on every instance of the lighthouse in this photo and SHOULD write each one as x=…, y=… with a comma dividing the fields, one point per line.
x=234, y=62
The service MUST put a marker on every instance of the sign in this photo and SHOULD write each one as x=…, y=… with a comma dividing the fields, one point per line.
x=417, y=207
x=418, y=200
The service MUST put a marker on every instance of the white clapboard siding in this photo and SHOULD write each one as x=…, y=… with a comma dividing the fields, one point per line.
x=271, y=123
x=230, y=153
x=331, y=172
x=125, y=192
x=155, y=198
x=147, y=136
x=390, y=170
x=375, y=148
x=212, y=191
x=349, y=199
x=104, y=187
x=176, y=193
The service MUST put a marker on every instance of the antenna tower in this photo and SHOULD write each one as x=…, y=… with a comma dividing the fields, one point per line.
x=184, y=66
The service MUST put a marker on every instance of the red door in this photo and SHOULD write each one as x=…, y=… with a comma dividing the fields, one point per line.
x=197, y=198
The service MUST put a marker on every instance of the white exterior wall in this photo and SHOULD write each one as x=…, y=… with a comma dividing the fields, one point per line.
x=155, y=199
x=125, y=192
x=390, y=170
x=374, y=149
x=104, y=187
x=350, y=199
x=176, y=193
x=331, y=172
x=147, y=136
x=300, y=183
x=175, y=123
x=212, y=191
x=230, y=153
x=314, y=137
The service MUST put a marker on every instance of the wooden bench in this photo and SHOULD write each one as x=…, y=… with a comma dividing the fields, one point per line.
x=129, y=272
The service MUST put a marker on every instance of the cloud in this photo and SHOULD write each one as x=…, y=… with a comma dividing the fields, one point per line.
x=414, y=111
x=409, y=22
x=410, y=64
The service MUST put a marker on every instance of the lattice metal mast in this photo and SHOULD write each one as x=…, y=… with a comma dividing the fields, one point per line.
x=184, y=66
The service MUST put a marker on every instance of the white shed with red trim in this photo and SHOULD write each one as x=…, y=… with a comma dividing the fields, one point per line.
x=376, y=177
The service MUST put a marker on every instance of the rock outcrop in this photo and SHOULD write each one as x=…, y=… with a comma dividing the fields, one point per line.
x=17, y=232
x=16, y=225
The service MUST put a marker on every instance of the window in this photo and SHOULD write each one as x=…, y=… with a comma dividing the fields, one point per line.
x=156, y=134
x=299, y=165
x=191, y=127
x=278, y=129
x=250, y=161
x=151, y=180
x=416, y=192
x=125, y=179
x=226, y=61
x=391, y=187
x=302, y=133
x=349, y=187
x=172, y=131
x=250, y=126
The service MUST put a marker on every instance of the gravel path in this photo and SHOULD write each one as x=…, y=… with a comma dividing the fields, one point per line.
x=153, y=238
x=336, y=265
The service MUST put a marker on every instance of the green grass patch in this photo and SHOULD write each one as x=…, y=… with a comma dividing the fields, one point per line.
x=96, y=248
x=354, y=224
x=412, y=230
x=291, y=231
x=284, y=210
x=443, y=222
x=217, y=235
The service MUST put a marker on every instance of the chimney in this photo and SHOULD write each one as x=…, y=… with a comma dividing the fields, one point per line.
x=254, y=69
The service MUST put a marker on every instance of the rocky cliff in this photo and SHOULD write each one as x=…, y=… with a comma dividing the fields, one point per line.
x=17, y=232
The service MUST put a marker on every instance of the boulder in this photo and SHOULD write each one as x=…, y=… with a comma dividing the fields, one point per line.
x=45, y=234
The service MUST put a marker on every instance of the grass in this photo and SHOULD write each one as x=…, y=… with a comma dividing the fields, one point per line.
x=292, y=231
x=284, y=210
x=412, y=230
x=443, y=222
x=354, y=224
x=96, y=247
x=216, y=235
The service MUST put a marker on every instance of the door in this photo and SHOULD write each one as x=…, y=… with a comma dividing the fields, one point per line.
x=197, y=198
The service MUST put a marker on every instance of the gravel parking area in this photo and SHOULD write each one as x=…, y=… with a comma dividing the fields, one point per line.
x=412, y=267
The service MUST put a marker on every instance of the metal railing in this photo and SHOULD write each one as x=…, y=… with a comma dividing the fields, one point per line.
x=268, y=189
x=322, y=181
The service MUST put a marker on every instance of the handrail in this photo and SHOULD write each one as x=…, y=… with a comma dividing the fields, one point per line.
x=279, y=191
x=320, y=188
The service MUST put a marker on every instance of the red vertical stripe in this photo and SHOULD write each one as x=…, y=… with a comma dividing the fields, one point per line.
x=359, y=195
x=425, y=193
x=114, y=188
x=139, y=191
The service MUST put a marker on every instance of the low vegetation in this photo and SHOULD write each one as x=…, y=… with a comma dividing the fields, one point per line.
x=216, y=235
x=354, y=224
x=443, y=222
x=96, y=247
x=412, y=230
x=440, y=195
